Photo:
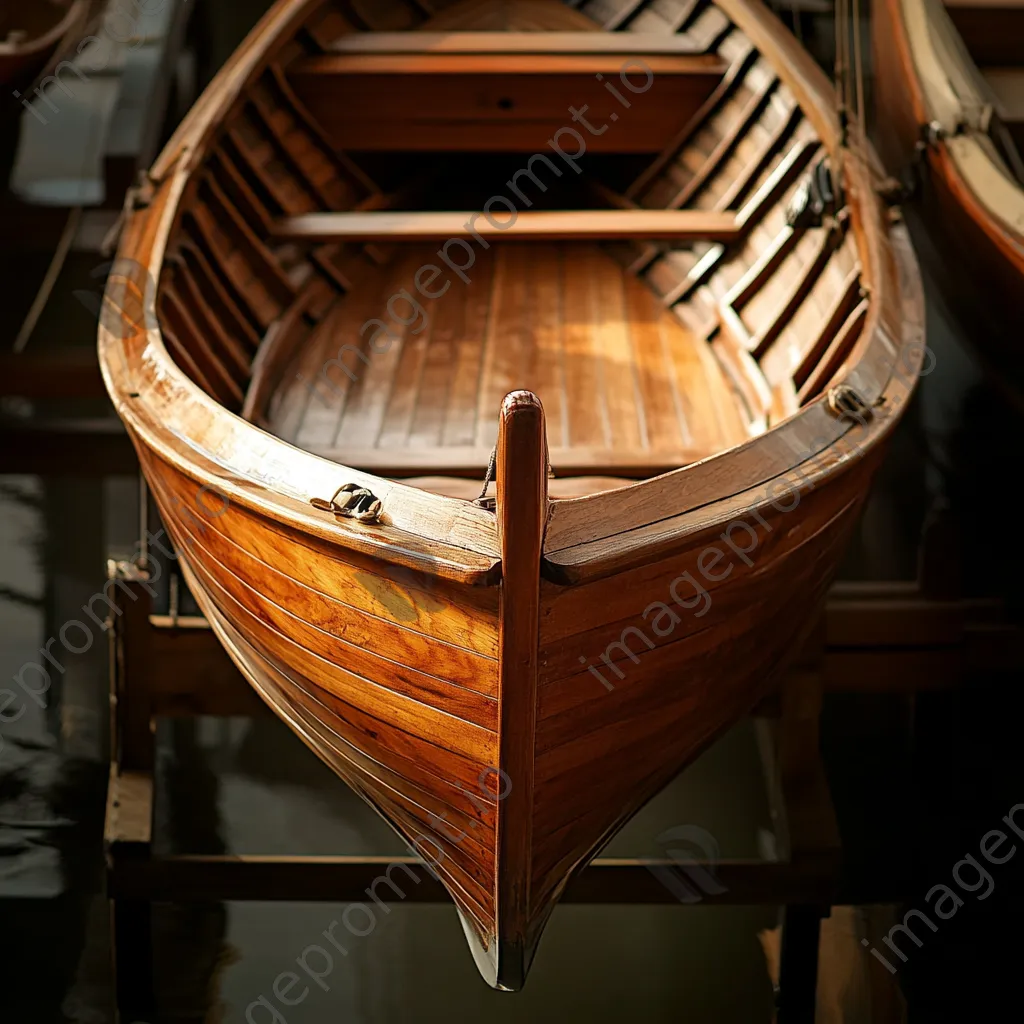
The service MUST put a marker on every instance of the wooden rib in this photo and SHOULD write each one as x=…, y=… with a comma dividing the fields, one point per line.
x=769, y=194
x=273, y=354
x=189, y=336
x=228, y=311
x=801, y=287
x=247, y=291
x=629, y=9
x=212, y=335
x=740, y=126
x=730, y=82
x=244, y=193
x=836, y=354
x=555, y=225
x=742, y=183
x=274, y=278
x=763, y=269
x=746, y=375
x=842, y=306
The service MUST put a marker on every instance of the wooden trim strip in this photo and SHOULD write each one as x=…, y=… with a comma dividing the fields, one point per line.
x=530, y=43
x=548, y=225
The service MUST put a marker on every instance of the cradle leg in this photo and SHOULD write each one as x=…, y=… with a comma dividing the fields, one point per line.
x=131, y=926
x=798, y=966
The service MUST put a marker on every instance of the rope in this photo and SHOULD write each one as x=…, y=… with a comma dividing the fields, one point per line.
x=492, y=464
x=52, y=273
x=858, y=72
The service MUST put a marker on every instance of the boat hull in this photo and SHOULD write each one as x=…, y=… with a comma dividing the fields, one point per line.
x=508, y=682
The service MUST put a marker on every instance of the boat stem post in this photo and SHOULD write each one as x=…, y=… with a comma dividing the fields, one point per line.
x=522, y=504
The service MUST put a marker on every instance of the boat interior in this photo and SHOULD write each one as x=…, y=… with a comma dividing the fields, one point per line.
x=621, y=207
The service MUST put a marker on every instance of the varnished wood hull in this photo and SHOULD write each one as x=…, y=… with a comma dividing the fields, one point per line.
x=507, y=687
x=973, y=255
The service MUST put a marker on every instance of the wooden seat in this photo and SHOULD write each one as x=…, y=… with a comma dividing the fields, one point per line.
x=549, y=225
x=376, y=100
x=627, y=390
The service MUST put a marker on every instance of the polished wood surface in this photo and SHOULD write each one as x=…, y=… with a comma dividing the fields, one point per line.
x=539, y=226
x=675, y=379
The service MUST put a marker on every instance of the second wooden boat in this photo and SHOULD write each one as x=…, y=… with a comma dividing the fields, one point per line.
x=684, y=329
x=951, y=121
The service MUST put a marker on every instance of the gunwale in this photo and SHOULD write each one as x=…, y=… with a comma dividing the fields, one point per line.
x=219, y=450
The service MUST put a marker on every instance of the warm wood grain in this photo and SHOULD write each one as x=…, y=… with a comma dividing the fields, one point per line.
x=553, y=226
x=438, y=659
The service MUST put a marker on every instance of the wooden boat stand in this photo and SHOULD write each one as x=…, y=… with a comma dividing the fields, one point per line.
x=872, y=637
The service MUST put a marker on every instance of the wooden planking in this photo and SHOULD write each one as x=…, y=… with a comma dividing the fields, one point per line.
x=280, y=692
x=579, y=621
x=549, y=319
x=585, y=408
x=425, y=606
x=460, y=425
x=548, y=225
x=469, y=703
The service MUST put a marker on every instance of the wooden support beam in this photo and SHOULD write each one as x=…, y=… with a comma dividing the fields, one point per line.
x=548, y=226
x=607, y=881
x=624, y=44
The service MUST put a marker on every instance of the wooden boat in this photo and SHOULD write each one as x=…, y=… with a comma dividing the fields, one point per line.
x=951, y=119
x=34, y=37
x=686, y=359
